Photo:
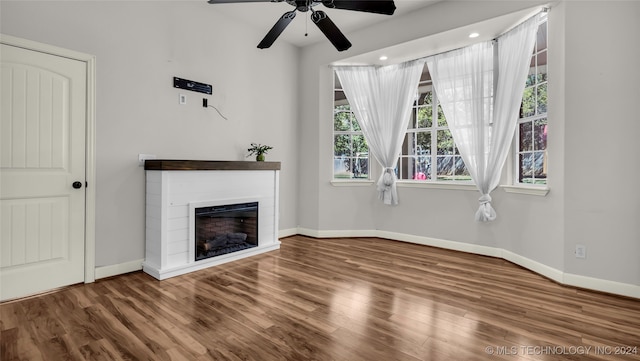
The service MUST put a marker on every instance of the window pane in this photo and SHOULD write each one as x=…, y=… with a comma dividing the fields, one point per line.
x=445, y=167
x=342, y=167
x=426, y=98
x=361, y=167
x=525, y=137
x=531, y=78
x=409, y=145
x=342, y=145
x=423, y=168
x=541, y=95
x=445, y=142
x=341, y=121
x=360, y=146
x=542, y=67
x=461, y=169
x=541, y=41
x=340, y=99
x=526, y=167
x=442, y=122
x=540, y=134
x=425, y=116
x=528, y=108
x=354, y=123
x=402, y=169
x=539, y=165
x=423, y=143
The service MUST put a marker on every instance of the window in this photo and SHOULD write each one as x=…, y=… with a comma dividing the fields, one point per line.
x=429, y=142
x=350, y=149
x=424, y=135
x=531, y=133
x=351, y=153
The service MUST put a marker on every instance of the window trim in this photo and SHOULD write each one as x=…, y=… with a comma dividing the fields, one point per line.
x=532, y=190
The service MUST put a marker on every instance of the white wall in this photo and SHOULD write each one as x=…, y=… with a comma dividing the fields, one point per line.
x=601, y=138
x=139, y=47
x=593, y=90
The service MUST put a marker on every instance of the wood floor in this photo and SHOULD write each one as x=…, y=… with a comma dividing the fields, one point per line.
x=327, y=299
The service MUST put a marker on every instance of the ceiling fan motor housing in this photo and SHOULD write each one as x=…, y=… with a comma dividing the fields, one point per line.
x=319, y=18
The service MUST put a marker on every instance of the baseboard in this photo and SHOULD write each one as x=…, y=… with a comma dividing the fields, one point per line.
x=595, y=284
x=287, y=232
x=591, y=283
x=118, y=269
x=337, y=233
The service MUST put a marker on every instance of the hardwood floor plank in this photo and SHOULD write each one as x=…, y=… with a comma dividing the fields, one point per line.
x=345, y=299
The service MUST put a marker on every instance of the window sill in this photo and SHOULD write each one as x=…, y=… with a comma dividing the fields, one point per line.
x=438, y=185
x=529, y=190
x=351, y=183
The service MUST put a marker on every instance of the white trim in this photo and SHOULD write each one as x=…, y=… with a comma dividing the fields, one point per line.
x=441, y=243
x=595, y=284
x=118, y=269
x=165, y=273
x=535, y=266
x=529, y=190
x=90, y=146
x=352, y=183
x=336, y=233
x=437, y=185
x=282, y=233
x=619, y=288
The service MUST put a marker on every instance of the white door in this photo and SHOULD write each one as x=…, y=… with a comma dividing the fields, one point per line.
x=42, y=164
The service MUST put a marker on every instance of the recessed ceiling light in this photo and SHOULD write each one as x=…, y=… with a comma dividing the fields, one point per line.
x=383, y=57
x=474, y=35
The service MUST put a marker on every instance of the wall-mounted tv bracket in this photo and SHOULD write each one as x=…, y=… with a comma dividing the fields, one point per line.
x=192, y=85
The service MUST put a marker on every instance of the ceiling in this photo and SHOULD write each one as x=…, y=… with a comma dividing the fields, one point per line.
x=263, y=15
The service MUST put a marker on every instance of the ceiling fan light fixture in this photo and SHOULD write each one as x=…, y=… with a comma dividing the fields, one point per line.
x=320, y=18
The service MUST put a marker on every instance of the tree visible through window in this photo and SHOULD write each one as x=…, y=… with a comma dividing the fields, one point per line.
x=531, y=134
x=428, y=142
x=428, y=151
x=350, y=149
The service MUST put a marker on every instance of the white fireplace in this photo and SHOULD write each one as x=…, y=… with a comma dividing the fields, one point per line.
x=176, y=189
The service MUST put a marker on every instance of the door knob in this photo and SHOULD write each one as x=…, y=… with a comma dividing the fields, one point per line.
x=77, y=185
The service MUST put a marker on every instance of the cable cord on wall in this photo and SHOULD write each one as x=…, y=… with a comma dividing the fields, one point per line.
x=223, y=117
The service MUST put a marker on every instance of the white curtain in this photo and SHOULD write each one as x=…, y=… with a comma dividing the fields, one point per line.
x=482, y=125
x=381, y=98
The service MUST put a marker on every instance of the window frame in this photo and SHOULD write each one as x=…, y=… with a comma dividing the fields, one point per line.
x=516, y=184
x=424, y=87
x=351, y=132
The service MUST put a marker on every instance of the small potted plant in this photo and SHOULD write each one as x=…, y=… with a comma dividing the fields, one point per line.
x=259, y=150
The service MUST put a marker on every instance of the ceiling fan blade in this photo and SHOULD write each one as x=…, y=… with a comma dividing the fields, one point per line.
x=330, y=30
x=277, y=29
x=386, y=7
x=242, y=1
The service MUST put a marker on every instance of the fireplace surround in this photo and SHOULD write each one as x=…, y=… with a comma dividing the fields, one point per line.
x=181, y=194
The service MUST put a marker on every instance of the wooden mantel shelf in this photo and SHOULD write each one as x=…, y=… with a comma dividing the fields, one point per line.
x=173, y=164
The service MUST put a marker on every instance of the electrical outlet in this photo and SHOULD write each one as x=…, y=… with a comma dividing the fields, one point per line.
x=581, y=251
x=182, y=99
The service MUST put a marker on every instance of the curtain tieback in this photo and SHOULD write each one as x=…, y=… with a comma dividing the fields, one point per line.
x=484, y=199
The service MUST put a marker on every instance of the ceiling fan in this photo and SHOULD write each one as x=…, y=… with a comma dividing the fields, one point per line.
x=319, y=17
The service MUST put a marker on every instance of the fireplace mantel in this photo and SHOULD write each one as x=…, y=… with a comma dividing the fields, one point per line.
x=175, y=187
x=175, y=164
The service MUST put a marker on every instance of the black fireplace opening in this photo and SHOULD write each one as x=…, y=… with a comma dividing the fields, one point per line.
x=225, y=229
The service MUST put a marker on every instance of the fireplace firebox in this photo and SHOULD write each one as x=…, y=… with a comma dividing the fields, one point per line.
x=224, y=229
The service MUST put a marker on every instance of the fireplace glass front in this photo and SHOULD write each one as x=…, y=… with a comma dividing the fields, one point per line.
x=225, y=229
